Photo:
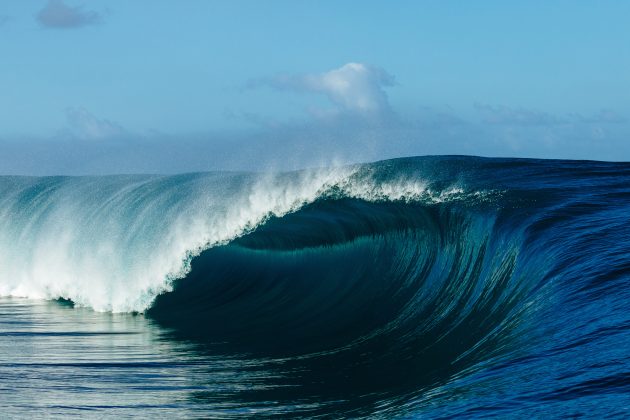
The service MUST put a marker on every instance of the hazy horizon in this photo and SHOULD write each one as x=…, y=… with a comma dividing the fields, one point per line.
x=119, y=87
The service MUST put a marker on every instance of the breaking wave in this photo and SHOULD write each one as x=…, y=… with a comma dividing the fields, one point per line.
x=389, y=278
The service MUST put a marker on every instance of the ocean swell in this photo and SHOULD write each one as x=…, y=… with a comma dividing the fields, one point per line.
x=403, y=286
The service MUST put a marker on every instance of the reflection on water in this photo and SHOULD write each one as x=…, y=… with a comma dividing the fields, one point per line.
x=59, y=360
x=56, y=360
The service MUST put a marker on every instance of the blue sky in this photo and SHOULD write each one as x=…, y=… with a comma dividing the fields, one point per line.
x=164, y=86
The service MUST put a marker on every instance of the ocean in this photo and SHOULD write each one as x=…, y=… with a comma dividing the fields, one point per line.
x=423, y=287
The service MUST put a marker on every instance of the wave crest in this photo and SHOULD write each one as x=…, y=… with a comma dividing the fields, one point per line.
x=115, y=243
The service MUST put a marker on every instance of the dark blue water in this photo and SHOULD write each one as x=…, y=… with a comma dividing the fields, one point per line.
x=423, y=287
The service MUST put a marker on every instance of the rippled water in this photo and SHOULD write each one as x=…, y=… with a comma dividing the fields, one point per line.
x=57, y=360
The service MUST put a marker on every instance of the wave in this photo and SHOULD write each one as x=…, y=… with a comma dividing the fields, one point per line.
x=344, y=271
x=115, y=243
x=382, y=282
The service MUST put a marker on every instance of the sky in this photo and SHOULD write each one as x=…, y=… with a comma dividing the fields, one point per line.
x=118, y=86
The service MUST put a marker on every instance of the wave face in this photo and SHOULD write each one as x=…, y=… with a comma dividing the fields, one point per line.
x=419, y=285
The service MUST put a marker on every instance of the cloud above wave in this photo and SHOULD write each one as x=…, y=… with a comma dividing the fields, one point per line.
x=84, y=125
x=503, y=115
x=518, y=116
x=352, y=88
x=57, y=14
x=604, y=116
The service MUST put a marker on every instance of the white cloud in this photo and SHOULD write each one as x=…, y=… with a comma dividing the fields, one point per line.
x=353, y=87
x=84, y=125
x=503, y=115
x=604, y=116
x=57, y=14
